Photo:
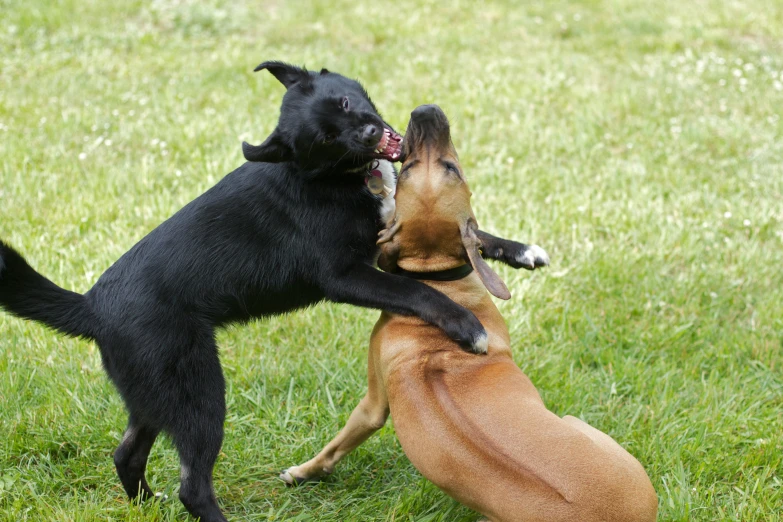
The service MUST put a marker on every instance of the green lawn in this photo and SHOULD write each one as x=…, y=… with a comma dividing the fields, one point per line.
x=640, y=143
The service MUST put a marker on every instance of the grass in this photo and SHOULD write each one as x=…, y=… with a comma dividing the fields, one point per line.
x=639, y=142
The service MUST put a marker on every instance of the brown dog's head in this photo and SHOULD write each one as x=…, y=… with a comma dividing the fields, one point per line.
x=434, y=227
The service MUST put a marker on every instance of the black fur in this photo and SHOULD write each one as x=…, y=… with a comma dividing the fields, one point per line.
x=508, y=252
x=27, y=294
x=292, y=227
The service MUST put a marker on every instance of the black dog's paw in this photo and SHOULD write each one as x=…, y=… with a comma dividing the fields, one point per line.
x=528, y=257
x=468, y=332
x=479, y=345
x=512, y=253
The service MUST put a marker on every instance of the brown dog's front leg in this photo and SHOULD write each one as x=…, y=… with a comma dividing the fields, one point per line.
x=512, y=253
x=368, y=417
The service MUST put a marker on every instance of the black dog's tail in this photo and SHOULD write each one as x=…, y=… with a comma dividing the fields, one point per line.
x=27, y=294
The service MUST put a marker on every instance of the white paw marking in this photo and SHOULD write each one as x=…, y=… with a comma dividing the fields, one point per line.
x=534, y=256
x=541, y=257
x=287, y=477
x=481, y=345
x=129, y=435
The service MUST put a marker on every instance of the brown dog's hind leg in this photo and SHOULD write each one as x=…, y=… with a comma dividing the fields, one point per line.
x=368, y=417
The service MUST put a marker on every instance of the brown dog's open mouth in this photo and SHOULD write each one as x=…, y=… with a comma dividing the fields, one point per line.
x=390, y=146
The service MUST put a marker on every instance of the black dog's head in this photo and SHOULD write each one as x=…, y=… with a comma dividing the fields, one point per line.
x=325, y=120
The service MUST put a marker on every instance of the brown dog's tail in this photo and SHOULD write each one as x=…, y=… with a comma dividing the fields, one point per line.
x=27, y=294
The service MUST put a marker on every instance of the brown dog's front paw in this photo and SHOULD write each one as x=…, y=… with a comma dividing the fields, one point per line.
x=290, y=479
x=294, y=476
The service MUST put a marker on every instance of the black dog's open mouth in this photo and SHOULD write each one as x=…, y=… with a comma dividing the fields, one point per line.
x=390, y=146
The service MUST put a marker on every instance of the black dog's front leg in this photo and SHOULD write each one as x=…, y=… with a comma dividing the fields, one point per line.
x=363, y=285
x=517, y=255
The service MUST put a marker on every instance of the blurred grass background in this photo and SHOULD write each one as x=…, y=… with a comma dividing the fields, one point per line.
x=638, y=142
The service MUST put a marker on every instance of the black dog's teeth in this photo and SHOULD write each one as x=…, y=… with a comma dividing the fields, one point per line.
x=384, y=142
x=390, y=136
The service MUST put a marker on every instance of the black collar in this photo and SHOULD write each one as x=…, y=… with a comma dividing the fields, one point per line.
x=452, y=274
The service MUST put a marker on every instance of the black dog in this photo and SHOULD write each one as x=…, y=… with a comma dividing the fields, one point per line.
x=295, y=225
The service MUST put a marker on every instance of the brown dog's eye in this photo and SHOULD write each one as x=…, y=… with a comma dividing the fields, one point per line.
x=330, y=137
x=345, y=103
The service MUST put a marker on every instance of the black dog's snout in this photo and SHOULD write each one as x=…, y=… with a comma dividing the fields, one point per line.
x=371, y=135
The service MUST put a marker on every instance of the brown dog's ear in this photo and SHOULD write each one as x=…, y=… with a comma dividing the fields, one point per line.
x=390, y=252
x=471, y=242
x=273, y=150
x=390, y=248
x=286, y=74
x=387, y=234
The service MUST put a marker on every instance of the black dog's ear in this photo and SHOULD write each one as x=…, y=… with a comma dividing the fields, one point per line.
x=273, y=150
x=286, y=74
x=324, y=71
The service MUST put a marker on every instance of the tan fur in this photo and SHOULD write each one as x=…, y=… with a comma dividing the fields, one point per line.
x=475, y=424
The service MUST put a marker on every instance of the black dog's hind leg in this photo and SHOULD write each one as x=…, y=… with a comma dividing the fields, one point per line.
x=517, y=255
x=198, y=449
x=197, y=430
x=130, y=458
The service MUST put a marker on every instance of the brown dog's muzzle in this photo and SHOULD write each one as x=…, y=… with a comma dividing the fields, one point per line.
x=428, y=127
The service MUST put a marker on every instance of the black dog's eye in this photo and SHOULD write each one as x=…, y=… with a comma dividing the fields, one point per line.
x=329, y=138
x=345, y=104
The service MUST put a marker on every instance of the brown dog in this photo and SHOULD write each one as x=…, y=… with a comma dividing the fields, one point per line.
x=473, y=425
